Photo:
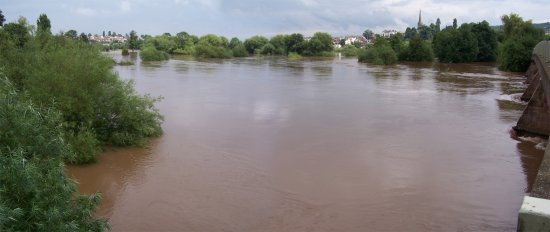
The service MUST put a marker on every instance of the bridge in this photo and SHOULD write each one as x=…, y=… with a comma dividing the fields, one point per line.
x=534, y=214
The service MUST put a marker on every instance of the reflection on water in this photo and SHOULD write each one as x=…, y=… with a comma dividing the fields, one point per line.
x=268, y=144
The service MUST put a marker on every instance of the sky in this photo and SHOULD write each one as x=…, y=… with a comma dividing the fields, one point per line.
x=244, y=18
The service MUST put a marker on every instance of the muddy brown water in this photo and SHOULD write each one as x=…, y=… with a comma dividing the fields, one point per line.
x=268, y=144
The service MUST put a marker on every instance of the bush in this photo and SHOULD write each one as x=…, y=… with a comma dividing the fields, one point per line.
x=417, y=50
x=294, y=56
x=350, y=51
x=96, y=106
x=35, y=193
x=239, y=51
x=150, y=53
x=125, y=52
x=382, y=55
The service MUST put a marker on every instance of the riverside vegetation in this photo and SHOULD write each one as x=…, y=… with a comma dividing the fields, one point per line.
x=60, y=102
x=510, y=45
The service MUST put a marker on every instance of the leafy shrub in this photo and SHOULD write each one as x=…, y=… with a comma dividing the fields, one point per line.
x=150, y=53
x=125, y=52
x=378, y=55
x=35, y=193
x=350, y=50
x=76, y=80
x=239, y=51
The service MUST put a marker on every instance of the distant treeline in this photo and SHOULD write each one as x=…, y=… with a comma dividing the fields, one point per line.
x=510, y=45
x=213, y=46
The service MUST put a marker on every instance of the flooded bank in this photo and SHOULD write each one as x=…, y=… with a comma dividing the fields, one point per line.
x=268, y=144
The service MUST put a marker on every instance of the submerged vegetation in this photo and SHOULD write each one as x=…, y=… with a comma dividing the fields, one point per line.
x=60, y=102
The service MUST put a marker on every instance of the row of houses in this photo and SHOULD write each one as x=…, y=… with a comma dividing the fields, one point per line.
x=107, y=39
x=352, y=39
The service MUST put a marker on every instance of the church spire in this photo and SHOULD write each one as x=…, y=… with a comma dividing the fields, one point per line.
x=420, y=19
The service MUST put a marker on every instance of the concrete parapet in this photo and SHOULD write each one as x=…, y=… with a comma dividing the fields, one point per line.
x=534, y=215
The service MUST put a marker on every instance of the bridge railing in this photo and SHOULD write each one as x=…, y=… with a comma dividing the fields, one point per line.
x=543, y=51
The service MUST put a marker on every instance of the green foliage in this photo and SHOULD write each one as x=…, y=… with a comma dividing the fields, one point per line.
x=456, y=45
x=17, y=33
x=350, y=50
x=319, y=44
x=234, y=42
x=486, y=41
x=368, y=34
x=43, y=25
x=75, y=79
x=417, y=50
x=133, y=42
x=2, y=19
x=255, y=43
x=294, y=43
x=268, y=49
x=520, y=37
x=381, y=55
x=279, y=44
x=150, y=53
x=212, y=46
x=294, y=56
x=125, y=52
x=239, y=51
x=163, y=43
x=35, y=194
x=84, y=38
x=71, y=34
x=125, y=63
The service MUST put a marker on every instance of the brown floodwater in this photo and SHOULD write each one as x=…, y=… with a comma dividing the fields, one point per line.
x=270, y=144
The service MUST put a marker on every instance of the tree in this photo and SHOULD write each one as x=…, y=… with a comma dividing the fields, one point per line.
x=255, y=43
x=133, y=41
x=438, y=25
x=17, y=33
x=278, y=42
x=43, y=25
x=410, y=32
x=103, y=33
x=455, y=24
x=396, y=42
x=294, y=43
x=71, y=34
x=380, y=53
x=456, y=45
x=2, y=19
x=211, y=46
x=520, y=37
x=234, y=42
x=84, y=38
x=368, y=34
x=418, y=50
x=486, y=41
x=320, y=43
x=109, y=33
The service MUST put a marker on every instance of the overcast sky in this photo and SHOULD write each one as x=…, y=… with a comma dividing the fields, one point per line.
x=244, y=18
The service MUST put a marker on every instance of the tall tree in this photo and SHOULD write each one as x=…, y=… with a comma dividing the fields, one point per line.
x=368, y=34
x=455, y=24
x=486, y=41
x=133, y=40
x=84, y=38
x=438, y=25
x=43, y=25
x=2, y=18
x=520, y=37
x=71, y=34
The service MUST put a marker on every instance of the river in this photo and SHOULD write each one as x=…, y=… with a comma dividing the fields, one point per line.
x=271, y=144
